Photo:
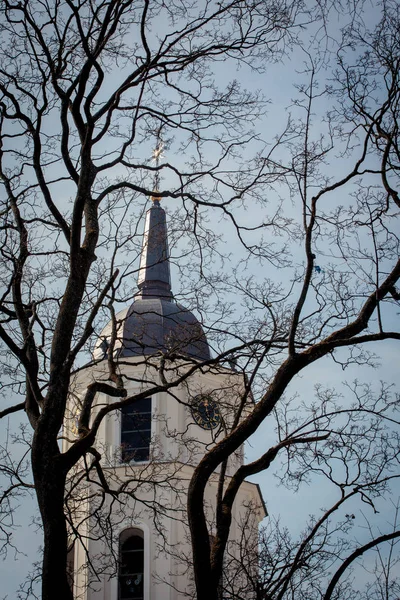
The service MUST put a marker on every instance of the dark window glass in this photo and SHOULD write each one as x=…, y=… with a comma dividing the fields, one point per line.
x=136, y=431
x=71, y=565
x=131, y=568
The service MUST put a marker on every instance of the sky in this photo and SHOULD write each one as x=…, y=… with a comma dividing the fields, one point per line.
x=277, y=83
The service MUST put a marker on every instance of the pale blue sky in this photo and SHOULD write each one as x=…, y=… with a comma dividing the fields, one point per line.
x=277, y=85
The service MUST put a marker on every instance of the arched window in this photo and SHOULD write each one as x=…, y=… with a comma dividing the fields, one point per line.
x=136, y=431
x=131, y=565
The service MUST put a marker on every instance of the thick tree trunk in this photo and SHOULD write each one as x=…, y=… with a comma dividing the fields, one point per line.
x=49, y=477
x=205, y=581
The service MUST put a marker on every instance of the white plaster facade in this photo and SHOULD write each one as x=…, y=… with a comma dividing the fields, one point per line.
x=156, y=499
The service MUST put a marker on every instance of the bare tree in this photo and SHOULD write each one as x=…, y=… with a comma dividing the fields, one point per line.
x=356, y=465
x=330, y=306
x=85, y=89
x=69, y=119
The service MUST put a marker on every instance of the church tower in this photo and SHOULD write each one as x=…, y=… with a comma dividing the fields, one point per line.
x=128, y=517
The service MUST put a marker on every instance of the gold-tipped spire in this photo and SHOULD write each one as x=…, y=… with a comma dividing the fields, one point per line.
x=154, y=280
x=157, y=155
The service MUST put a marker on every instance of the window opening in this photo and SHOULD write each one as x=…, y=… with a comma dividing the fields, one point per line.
x=71, y=565
x=131, y=568
x=136, y=431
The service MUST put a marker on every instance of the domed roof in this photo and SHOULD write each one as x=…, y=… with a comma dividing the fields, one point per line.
x=155, y=322
x=155, y=325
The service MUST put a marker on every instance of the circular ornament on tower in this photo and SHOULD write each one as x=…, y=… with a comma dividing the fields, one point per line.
x=205, y=412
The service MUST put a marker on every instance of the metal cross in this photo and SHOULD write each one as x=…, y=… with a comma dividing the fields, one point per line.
x=157, y=155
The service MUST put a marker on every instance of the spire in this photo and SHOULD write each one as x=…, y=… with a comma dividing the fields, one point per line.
x=154, y=278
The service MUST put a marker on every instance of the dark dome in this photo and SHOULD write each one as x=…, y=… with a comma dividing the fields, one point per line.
x=155, y=324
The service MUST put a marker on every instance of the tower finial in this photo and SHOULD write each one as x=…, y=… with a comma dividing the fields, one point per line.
x=157, y=155
x=154, y=278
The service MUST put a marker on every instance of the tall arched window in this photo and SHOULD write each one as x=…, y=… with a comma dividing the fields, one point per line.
x=131, y=565
x=136, y=431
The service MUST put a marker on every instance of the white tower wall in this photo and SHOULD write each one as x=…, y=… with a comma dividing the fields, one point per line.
x=155, y=502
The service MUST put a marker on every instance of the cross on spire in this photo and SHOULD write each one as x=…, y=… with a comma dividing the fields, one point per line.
x=154, y=278
x=157, y=155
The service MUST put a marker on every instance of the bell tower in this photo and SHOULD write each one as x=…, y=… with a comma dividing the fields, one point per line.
x=129, y=533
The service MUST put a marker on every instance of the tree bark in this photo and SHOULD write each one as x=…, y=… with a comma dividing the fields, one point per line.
x=49, y=476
